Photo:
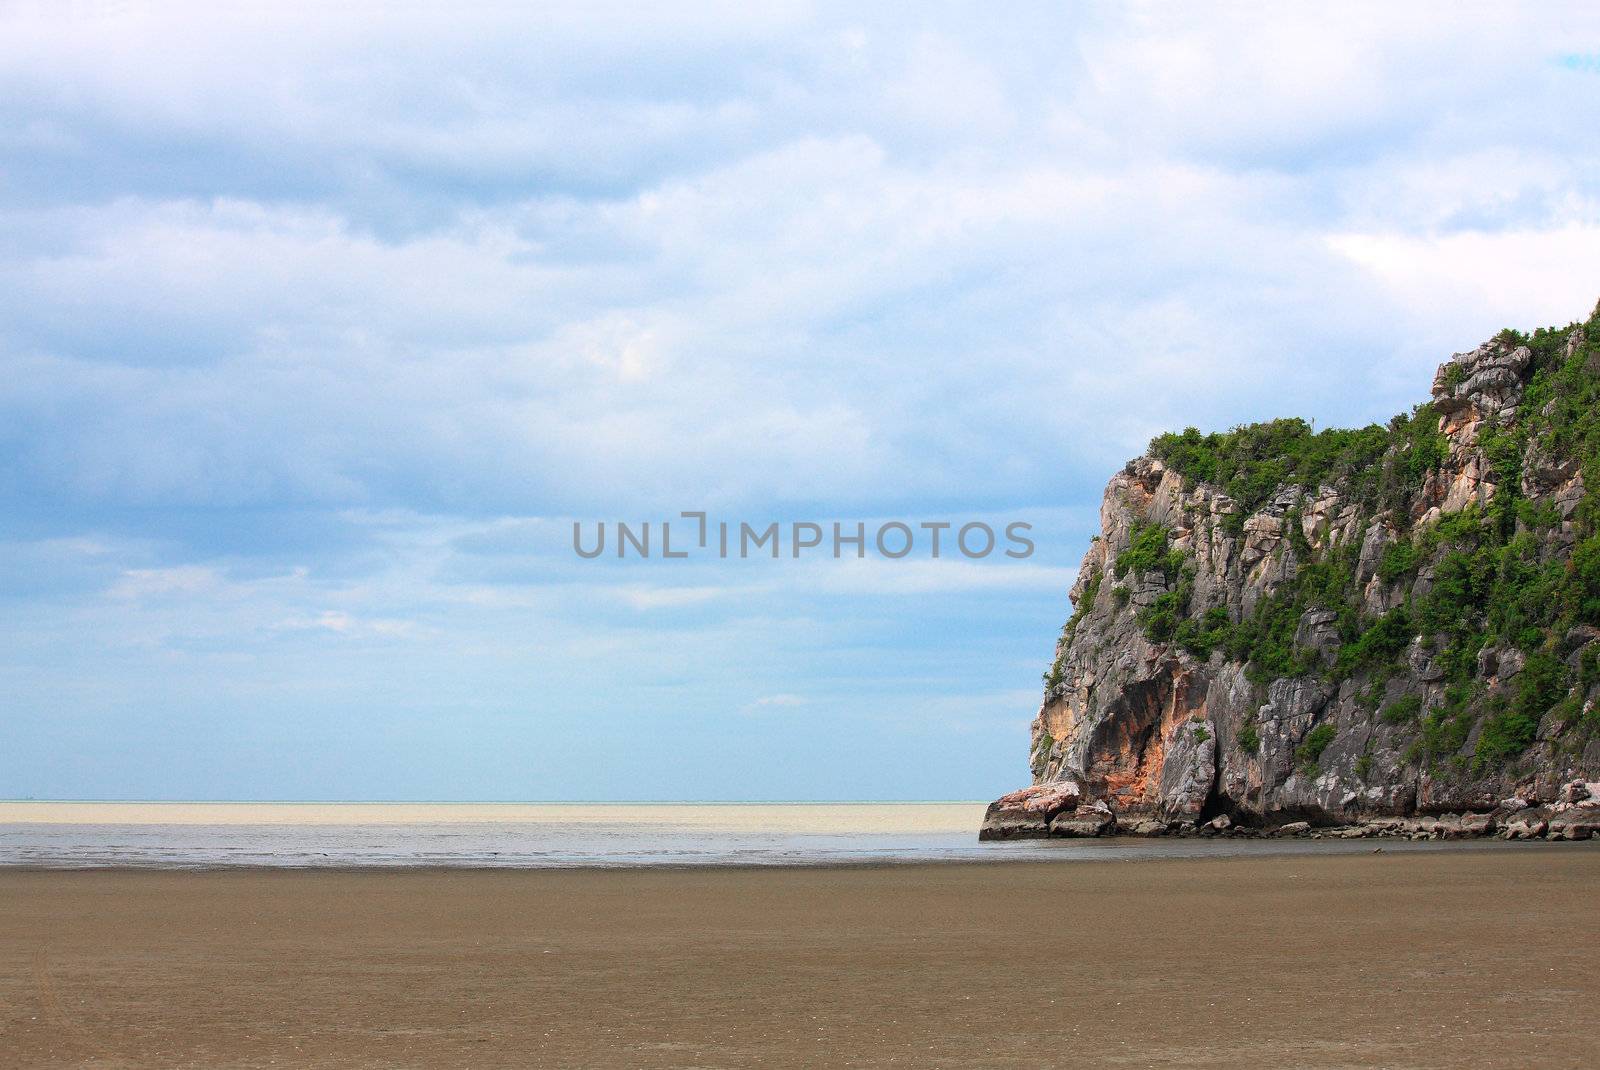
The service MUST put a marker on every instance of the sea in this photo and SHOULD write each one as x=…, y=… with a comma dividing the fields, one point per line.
x=296, y=835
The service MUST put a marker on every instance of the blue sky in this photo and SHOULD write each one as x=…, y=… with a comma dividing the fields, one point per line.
x=318, y=330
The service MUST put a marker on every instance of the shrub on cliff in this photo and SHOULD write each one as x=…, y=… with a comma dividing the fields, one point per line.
x=1254, y=463
x=1310, y=749
x=1250, y=739
x=1148, y=551
x=1403, y=710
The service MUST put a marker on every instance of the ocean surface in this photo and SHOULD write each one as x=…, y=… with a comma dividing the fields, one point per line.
x=545, y=835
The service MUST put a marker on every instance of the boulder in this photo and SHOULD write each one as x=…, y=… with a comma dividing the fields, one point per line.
x=1574, y=823
x=1318, y=630
x=1577, y=791
x=1443, y=827
x=1293, y=828
x=1027, y=813
x=1086, y=822
x=1528, y=823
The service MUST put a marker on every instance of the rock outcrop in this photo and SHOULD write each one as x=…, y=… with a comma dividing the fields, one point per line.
x=1390, y=624
x=1029, y=812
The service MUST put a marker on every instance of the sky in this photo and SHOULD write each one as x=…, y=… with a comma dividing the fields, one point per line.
x=318, y=331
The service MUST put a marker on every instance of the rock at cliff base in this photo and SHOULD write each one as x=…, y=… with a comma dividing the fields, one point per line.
x=1085, y=823
x=1574, y=823
x=1577, y=791
x=1528, y=823
x=1027, y=813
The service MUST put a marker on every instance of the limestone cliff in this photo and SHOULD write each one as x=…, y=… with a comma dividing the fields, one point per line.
x=1276, y=625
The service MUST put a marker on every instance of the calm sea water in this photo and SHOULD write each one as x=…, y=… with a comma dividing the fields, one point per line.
x=539, y=835
x=475, y=834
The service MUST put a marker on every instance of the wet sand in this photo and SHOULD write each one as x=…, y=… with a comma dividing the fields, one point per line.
x=1462, y=959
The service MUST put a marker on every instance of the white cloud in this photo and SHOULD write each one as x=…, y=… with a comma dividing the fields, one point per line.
x=877, y=576
x=770, y=702
x=341, y=623
x=647, y=598
x=141, y=583
x=1525, y=278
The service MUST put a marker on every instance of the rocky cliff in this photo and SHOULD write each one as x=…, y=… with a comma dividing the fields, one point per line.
x=1345, y=628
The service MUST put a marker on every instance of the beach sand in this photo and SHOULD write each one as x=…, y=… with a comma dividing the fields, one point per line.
x=1460, y=958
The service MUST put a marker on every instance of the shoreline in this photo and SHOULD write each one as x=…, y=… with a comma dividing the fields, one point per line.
x=1100, y=851
x=1065, y=852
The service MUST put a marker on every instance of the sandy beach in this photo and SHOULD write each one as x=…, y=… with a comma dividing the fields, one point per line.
x=1459, y=958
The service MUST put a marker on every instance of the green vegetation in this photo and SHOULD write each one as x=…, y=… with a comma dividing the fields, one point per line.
x=1379, y=467
x=1250, y=739
x=1378, y=645
x=1085, y=606
x=1311, y=748
x=1266, y=642
x=1148, y=551
x=1041, y=753
x=1400, y=559
x=1207, y=633
x=1091, y=591
x=1162, y=618
x=1403, y=710
x=1446, y=727
x=1511, y=726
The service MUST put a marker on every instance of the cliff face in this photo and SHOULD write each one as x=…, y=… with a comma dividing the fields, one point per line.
x=1275, y=625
